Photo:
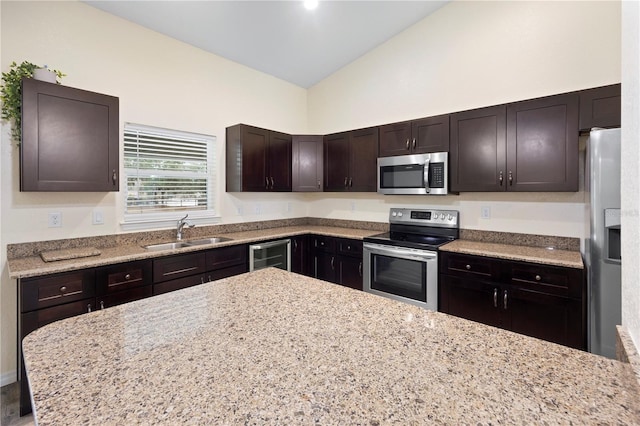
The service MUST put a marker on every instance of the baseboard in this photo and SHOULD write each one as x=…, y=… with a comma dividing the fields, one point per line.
x=8, y=378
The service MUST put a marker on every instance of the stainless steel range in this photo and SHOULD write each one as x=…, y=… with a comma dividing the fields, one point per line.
x=402, y=264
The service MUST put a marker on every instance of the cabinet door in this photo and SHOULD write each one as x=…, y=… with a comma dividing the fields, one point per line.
x=395, y=139
x=336, y=162
x=545, y=316
x=307, y=163
x=542, y=144
x=299, y=254
x=363, y=160
x=279, y=162
x=349, y=272
x=324, y=266
x=70, y=139
x=430, y=134
x=255, y=146
x=477, y=154
x=225, y=257
x=470, y=299
x=600, y=107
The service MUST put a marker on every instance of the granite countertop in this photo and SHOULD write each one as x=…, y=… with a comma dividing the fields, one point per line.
x=566, y=258
x=34, y=265
x=272, y=347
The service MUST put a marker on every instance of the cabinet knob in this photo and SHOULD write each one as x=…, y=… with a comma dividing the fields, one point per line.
x=538, y=277
x=127, y=277
x=468, y=267
x=500, y=177
x=63, y=289
x=510, y=178
x=319, y=185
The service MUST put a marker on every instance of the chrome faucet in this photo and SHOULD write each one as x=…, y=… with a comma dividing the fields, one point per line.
x=181, y=224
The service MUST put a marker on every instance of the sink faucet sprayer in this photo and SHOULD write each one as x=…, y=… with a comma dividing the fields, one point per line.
x=181, y=223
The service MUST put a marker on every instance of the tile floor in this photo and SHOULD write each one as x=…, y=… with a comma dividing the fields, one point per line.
x=10, y=407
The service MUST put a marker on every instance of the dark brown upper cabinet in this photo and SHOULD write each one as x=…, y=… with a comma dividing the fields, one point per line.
x=307, y=163
x=600, y=107
x=523, y=146
x=69, y=139
x=477, y=156
x=350, y=161
x=258, y=160
x=425, y=135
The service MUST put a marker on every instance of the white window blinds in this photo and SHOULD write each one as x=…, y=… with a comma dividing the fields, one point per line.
x=167, y=171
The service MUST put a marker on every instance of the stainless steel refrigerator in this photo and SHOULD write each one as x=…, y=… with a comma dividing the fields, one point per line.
x=602, y=247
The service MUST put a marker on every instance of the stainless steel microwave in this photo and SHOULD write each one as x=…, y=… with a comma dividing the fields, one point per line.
x=417, y=174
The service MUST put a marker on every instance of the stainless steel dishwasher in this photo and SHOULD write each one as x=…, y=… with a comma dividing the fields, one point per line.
x=275, y=254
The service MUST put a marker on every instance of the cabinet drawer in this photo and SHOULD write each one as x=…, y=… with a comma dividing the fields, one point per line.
x=226, y=256
x=350, y=247
x=323, y=243
x=124, y=276
x=118, y=298
x=52, y=290
x=31, y=321
x=219, y=274
x=179, y=283
x=547, y=279
x=169, y=268
x=469, y=266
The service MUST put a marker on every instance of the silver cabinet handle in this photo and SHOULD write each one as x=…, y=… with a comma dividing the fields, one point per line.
x=114, y=176
x=414, y=143
x=272, y=182
x=360, y=268
x=102, y=304
x=209, y=278
x=332, y=260
x=505, y=299
x=538, y=277
x=468, y=267
x=266, y=182
x=318, y=184
x=201, y=280
x=510, y=178
x=500, y=177
x=407, y=143
x=495, y=297
x=295, y=244
x=89, y=307
x=351, y=182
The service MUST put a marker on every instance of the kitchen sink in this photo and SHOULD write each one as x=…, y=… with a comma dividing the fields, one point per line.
x=182, y=244
x=203, y=241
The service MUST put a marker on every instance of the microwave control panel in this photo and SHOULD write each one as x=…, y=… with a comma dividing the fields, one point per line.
x=436, y=175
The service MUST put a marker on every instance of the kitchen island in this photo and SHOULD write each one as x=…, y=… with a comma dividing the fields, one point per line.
x=272, y=347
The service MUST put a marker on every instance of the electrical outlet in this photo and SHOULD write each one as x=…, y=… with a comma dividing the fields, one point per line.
x=55, y=220
x=98, y=217
x=485, y=212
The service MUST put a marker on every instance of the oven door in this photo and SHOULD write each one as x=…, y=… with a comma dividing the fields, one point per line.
x=405, y=274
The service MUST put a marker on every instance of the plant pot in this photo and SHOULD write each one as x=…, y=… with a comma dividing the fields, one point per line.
x=44, y=74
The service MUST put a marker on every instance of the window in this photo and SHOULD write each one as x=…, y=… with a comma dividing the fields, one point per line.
x=168, y=174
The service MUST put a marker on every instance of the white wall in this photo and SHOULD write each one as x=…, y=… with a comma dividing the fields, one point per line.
x=630, y=171
x=160, y=82
x=468, y=55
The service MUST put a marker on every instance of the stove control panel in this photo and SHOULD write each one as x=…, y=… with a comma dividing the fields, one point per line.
x=441, y=218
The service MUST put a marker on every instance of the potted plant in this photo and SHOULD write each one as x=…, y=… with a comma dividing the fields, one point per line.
x=11, y=93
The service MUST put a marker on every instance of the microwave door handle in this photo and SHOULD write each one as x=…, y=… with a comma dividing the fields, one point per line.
x=426, y=176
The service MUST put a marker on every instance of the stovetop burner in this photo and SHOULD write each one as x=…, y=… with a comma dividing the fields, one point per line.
x=418, y=228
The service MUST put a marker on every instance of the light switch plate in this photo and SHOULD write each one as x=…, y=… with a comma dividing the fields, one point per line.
x=98, y=217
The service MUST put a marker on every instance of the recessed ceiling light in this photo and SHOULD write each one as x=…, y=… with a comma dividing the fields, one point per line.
x=310, y=4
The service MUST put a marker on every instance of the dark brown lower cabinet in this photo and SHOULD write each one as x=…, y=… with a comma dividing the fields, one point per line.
x=299, y=255
x=337, y=260
x=546, y=302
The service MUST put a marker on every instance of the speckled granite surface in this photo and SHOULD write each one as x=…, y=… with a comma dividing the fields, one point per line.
x=272, y=347
x=626, y=350
x=570, y=259
x=530, y=240
x=132, y=249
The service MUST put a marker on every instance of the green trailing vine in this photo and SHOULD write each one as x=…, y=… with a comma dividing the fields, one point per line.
x=11, y=94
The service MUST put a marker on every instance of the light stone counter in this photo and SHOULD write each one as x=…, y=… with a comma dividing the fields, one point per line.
x=566, y=258
x=34, y=265
x=272, y=347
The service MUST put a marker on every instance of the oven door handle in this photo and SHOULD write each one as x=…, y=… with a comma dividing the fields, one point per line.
x=400, y=252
